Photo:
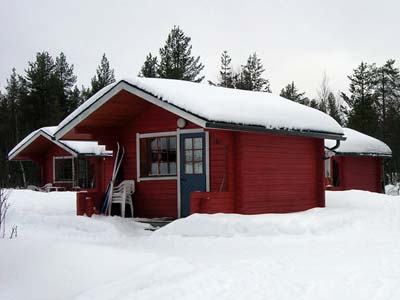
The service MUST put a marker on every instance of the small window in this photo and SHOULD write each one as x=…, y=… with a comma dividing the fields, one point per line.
x=63, y=169
x=158, y=156
x=85, y=174
x=193, y=155
x=327, y=168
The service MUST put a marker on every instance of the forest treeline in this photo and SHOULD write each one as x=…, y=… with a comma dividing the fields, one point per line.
x=47, y=92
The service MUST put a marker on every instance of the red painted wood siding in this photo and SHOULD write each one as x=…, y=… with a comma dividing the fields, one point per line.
x=278, y=174
x=222, y=160
x=155, y=198
x=212, y=202
x=363, y=173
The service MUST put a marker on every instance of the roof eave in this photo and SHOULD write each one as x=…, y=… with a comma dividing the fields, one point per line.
x=384, y=155
x=261, y=129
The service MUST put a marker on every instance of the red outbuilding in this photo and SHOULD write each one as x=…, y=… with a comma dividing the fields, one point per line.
x=65, y=165
x=193, y=147
x=357, y=163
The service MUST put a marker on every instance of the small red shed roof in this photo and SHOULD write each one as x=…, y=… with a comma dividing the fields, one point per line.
x=358, y=143
x=46, y=134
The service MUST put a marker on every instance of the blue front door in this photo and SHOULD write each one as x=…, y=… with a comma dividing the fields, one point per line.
x=192, y=167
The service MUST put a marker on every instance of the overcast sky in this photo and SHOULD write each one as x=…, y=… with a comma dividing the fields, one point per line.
x=296, y=40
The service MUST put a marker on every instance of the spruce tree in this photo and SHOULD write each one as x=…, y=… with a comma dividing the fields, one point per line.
x=250, y=77
x=226, y=73
x=363, y=114
x=292, y=93
x=176, y=60
x=104, y=76
x=150, y=67
x=387, y=92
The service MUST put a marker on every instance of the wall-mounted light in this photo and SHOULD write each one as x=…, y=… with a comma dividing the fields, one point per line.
x=181, y=123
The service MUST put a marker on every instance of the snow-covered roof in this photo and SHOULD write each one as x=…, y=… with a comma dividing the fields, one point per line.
x=216, y=107
x=358, y=143
x=73, y=147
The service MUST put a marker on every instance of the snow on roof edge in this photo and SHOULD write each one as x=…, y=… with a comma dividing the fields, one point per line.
x=74, y=147
x=360, y=144
x=158, y=88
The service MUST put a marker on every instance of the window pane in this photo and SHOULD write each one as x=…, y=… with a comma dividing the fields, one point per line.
x=172, y=168
x=198, y=143
x=198, y=155
x=189, y=168
x=188, y=143
x=163, y=143
x=188, y=155
x=63, y=169
x=172, y=143
x=158, y=156
x=198, y=168
x=153, y=143
x=154, y=169
x=163, y=168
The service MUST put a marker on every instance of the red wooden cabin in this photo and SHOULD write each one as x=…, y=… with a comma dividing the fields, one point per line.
x=68, y=164
x=196, y=148
x=357, y=164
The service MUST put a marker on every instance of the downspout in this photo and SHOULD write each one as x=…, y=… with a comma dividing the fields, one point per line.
x=332, y=149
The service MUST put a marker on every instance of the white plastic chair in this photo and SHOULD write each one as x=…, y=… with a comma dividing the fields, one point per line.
x=122, y=194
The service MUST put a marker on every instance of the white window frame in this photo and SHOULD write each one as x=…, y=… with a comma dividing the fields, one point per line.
x=73, y=169
x=153, y=135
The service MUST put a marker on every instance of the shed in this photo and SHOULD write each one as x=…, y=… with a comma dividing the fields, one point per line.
x=68, y=164
x=357, y=164
x=193, y=147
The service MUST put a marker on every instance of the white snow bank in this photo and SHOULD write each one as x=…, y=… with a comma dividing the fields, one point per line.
x=57, y=257
x=227, y=105
x=80, y=147
x=360, y=143
x=54, y=214
x=345, y=210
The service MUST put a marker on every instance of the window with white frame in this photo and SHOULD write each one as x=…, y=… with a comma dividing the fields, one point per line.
x=63, y=169
x=158, y=156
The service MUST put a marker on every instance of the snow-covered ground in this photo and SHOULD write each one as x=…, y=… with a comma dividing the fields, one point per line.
x=349, y=250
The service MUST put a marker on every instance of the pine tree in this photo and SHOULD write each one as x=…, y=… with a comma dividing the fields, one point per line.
x=12, y=104
x=250, y=77
x=226, y=72
x=150, y=67
x=40, y=106
x=363, y=115
x=176, y=60
x=66, y=81
x=104, y=76
x=292, y=93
